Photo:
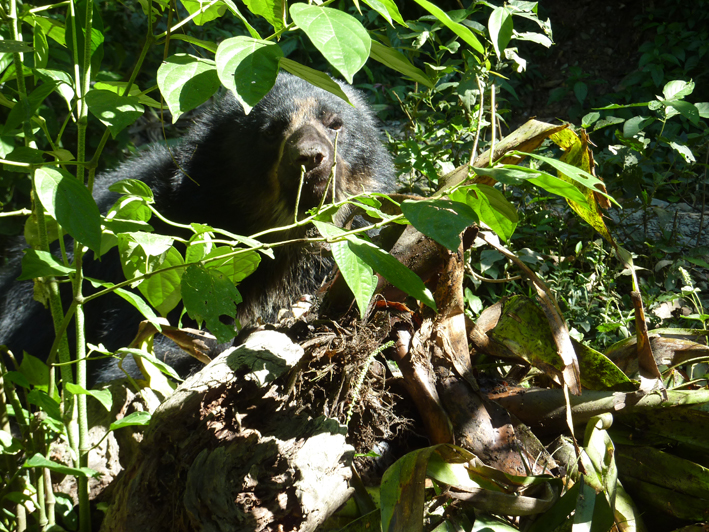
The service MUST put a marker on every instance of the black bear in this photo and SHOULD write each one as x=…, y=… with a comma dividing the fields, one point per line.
x=237, y=172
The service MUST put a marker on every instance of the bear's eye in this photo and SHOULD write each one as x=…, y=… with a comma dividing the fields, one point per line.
x=335, y=124
x=272, y=133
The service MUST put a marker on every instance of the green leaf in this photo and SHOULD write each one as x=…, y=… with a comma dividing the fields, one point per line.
x=186, y=82
x=492, y=208
x=387, y=9
x=339, y=37
x=357, y=274
x=677, y=89
x=703, y=109
x=65, y=85
x=40, y=461
x=116, y=112
x=141, y=419
x=248, y=67
x=163, y=289
x=41, y=264
x=460, y=30
x=500, y=27
x=635, y=125
x=314, y=77
x=49, y=26
x=398, y=61
x=442, y=220
x=581, y=91
x=102, y=396
x=143, y=253
x=684, y=151
x=48, y=405
x=10, y=47
x=119, y=87
x=133, y=299
x=162, y=366
x=588, y=120
x=392, y=270
x=686, y=109
x=271, y=10
x=133, y=187
x=236, y=268
x=35, y=371
x=207, y=15
x=17, y=113
x=71, y=205
x=209, y=296
x=572, y=172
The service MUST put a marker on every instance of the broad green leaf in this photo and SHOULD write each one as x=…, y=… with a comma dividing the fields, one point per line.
x=538, y=38
x=65, y=85
x=314, y=77
x=116, y=112
x=132, y=298
x=119, y=87
x=186, y=82
x=492, y=208
x=69, y=202
x=8, y=444
x=271, y=10
x=580, y=91
x=248, y=67
x=387, y=9
x=635, y=125
x=50, y=27
x=339, y=37
x=162, y=290
x=141, y=419
x=210, y=296
x=148, y=364
x=684, y=151
x=392, y=270
x=35, y=99
x=398, y=61
x=48, y=405
x=576, y=174
x=235, y=268
x=357, y=274
x=143, y=253
x=206, y=12
x=500, y=27
x=442, y=220
x=703, y=109
x=686, y=109
x=608, y=121
x=102, y=396
x=402, y=492
x=677, y=89
x=41, y=264
x=35, y=370
x=40, y=461
x=461, y=31
x=207, y=45
x=133, y=187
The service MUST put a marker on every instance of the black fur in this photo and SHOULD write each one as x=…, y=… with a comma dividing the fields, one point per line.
x=243, y=173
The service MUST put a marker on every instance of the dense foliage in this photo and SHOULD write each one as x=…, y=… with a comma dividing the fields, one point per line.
x=84, y=83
